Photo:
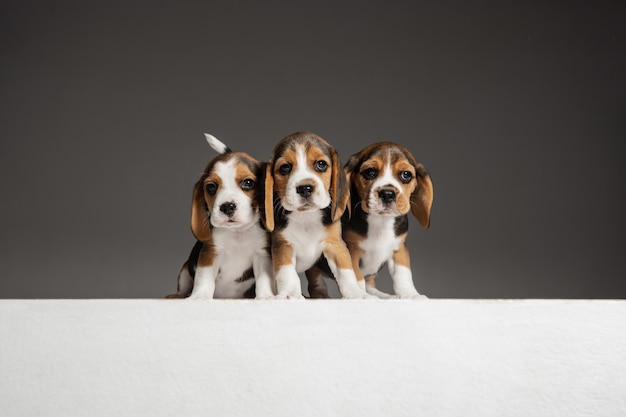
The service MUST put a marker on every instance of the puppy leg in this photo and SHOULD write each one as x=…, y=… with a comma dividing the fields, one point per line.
x=263, y=275
x=317, y=285
x=400, y=271
x=340, y=263
x=185, y=283
x=287, y=279
x=371, y=288
x=288, y=283
x=370, y=285
x=204, y=283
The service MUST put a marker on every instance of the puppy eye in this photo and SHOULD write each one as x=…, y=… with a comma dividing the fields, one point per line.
x=406, y=176
x=369, y=173
x=211, y=188
x=284, y=169
x=247, y=184
x=321, y=166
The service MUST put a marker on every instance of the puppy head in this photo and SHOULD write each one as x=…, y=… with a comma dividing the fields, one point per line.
x=390, y=182
x=304, y=174
x=227, y=194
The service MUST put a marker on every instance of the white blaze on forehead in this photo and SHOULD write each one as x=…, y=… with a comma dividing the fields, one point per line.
x=302, y=169
x=227, y=172
x=387, y=177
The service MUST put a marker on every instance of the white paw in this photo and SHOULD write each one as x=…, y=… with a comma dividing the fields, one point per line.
x=358, y=295
x=411, y=297
x=196, y=297
x=264, y=297
x=289, y=296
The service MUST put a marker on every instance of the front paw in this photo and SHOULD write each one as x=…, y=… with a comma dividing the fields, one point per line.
x=415, y=296
x=264, y=297
x=175, y=296
x=288, y=296
x=379, y=294
x=357, y=295
x=200, y=296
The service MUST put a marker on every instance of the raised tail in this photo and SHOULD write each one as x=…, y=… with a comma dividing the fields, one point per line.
x=216, y=144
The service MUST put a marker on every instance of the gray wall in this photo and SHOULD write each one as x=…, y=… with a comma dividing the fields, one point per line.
x=518, y=111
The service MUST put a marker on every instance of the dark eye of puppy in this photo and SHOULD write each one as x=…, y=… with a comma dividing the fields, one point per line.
x=211, y=188
x=369, y=173
x=247, y=184
x=284, y=169
x=321, y=166
x=406, y=177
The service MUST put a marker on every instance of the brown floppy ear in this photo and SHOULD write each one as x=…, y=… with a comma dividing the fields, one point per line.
x=348, y=169
x=200, y=222
x=267, y=214
x=339, y=191
x=422, y=196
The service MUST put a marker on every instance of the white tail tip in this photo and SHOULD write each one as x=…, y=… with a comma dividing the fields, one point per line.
x=216, y=144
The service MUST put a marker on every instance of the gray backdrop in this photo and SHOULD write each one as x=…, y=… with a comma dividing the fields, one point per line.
x=517, y=110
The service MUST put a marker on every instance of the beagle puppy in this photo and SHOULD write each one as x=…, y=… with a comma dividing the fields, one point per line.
x=386, y=182
x=231, y=256
x=305, y=196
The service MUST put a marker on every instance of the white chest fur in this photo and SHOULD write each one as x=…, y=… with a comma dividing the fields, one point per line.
x=379, y=244
x=236, y=250
x=306, y=234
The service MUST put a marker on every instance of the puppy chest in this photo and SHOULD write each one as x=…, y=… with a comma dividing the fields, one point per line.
x=378, y=247
x=236, y=251
x=306, y=239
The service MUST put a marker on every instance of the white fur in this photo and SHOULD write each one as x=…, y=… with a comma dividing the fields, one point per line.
x=304, y=174
x=215, y=143
x=379, y=244
x=403, y=285
x=237, y=251
x=305, y=232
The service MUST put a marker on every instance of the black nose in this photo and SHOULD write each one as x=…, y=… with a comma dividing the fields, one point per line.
x=387, y=195
x=228, y=209
x=305, y=190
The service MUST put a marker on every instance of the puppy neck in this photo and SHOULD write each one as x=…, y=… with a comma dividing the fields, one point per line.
x=365, y=223
x=283, y=217
x=243, y=228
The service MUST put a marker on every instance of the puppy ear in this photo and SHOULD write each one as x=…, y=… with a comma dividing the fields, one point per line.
x=339, y=191
x=352, y=163
x=200, y=222
x=422, y=196
x=348, y=169
x=267, y=209
x=348, y=212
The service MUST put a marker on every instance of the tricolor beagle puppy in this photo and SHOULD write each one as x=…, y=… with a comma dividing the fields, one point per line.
x=231, y=256
x=386, y=182
x=305, y=195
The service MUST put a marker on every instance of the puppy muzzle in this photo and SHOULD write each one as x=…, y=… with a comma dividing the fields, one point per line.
x=383, y=201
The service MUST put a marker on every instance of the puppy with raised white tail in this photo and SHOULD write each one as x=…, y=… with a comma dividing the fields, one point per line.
x=231, y=257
